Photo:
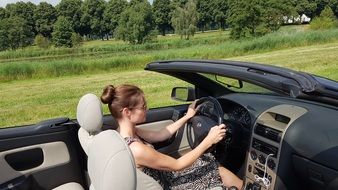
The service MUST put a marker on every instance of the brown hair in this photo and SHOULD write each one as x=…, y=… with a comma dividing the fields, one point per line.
x=123, y=96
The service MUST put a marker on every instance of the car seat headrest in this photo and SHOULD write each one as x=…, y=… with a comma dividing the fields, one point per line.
x=89, y=113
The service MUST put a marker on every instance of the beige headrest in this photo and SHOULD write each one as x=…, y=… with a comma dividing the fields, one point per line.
x=89, y=113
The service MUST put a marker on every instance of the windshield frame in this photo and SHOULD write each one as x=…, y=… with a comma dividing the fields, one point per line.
x=282, y=81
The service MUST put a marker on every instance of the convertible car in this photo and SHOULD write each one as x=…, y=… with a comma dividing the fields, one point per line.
x=282, y=132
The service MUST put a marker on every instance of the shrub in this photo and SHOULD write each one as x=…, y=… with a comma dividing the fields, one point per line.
x=326, y=20
x=41, y=41
x=151, y=37
x=76, y=39
x=323, y=23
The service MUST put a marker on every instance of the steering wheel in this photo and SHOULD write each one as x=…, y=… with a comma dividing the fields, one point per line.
x=209, y=113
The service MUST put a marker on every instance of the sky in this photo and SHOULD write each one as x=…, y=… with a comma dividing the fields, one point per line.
x=3, y=3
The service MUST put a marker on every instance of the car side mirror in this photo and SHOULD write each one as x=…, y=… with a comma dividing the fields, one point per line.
x=183, y=94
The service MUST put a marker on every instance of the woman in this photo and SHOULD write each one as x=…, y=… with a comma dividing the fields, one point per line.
x=193, y=170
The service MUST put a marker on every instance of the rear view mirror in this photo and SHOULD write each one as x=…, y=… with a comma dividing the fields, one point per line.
x=229, y=82
x=183, y=94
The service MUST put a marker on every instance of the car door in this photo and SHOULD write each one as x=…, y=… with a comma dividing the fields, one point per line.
x=41, y=156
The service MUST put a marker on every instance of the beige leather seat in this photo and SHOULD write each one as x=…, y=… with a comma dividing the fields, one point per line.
x=111, y=165
x=110, y=162
x=69, y=186
x=89, y=116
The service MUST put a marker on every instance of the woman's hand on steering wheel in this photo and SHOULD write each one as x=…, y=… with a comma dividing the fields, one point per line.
x=191, y=110
x=216, y=134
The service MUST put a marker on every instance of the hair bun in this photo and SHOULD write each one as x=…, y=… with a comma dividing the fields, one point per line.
x=108, y=94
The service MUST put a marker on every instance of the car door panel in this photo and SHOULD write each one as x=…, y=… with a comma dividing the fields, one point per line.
x=48, y=154
x=156, y=126
x=31, y=159
x=159, y=118
x=179, y=146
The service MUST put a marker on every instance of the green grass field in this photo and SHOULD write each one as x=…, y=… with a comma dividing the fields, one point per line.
x=55, y=84
x=108, y=56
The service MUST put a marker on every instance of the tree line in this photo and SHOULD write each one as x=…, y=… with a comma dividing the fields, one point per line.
x=137, y=21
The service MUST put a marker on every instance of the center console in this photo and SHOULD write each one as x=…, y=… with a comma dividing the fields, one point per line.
x=266, y=144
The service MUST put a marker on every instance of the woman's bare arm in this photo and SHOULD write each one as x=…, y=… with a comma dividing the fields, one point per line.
x=165, y=133
x=147, y=156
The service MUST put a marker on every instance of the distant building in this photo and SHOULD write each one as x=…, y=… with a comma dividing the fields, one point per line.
x=296, y=20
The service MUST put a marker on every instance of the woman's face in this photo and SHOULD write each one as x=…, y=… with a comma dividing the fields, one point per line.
x=138, y=113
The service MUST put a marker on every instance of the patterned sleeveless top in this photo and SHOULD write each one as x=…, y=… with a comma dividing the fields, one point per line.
x=130, y=140
x=203, y=174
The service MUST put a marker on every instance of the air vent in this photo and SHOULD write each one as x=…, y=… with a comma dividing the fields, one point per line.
x=268, y=133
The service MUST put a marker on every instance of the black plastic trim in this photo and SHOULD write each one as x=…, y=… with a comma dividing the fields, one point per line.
x=26, y=159
x=47, y=126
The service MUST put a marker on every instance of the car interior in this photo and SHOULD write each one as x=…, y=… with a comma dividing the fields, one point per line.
x=274, y=141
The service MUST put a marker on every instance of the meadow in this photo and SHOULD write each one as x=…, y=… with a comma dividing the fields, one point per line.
x=39, y=84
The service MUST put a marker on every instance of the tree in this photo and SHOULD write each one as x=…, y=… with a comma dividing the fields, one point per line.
x=317, y=6
x=93, y=12
x=162, y=10
x=328, y=13
x=112, y=14
x=134, y=2
x=85, y=24
x=204, y=9
x=184, y=20
x=219, y=12
x=45, y=17
x=334, y=7
x=62, y=35
x=244, y=17
x=326, y=20
x=304, y=7
x=136, y=23
x=20, y=33
x=24, y=11
x=71, y=9
x=3, y=13
x=4, y=26
x=273, y=14
x=255, y=18
x=320, y=5
x=15, y=33
x=178, y=3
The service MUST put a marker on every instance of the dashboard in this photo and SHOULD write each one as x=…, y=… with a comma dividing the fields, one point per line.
x=235, y=112
x=292, y=144
x=239, y=114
